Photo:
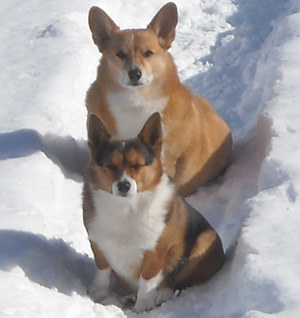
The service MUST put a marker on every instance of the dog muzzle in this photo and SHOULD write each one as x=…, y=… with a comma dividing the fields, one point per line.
x=124, y=187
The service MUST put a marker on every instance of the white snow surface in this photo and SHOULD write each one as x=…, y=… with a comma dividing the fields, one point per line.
x=242, y=55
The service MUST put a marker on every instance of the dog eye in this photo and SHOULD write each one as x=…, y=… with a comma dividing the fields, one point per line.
x=136, y=166
x=121, y=55
x=111, y=167
x=148, y=53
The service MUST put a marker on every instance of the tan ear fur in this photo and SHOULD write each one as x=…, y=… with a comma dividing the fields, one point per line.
x=151, y=133
x=97, y=133
x=102, y=27
x=164, y=24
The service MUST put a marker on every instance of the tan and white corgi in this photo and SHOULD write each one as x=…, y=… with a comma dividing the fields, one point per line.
x=137, y=77
x=138, y=226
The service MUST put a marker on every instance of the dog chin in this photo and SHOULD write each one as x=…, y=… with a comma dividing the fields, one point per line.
x=135, y=84
x=122, y=195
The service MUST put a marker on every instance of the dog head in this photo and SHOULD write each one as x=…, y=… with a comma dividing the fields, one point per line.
x=125, y=168
x=134, y=58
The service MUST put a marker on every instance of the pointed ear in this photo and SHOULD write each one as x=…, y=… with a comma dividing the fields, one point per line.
x=151, y=133
x=102, y=27
x=97, y=133
x=164, y=24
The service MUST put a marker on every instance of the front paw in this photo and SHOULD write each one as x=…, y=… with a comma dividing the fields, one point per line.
x=142, y=305
x=99, y=289
x=153, y=299
x=97, y=293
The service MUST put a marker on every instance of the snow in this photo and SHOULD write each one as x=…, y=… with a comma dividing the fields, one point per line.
x=241, y=55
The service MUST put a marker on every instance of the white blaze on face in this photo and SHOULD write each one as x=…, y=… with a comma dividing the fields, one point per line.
x=125, y=186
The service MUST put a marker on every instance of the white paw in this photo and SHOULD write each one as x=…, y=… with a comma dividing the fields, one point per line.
x=145, y=301
x=153, y=299
x=97, y=293
x=99, y=289
x=142, y=305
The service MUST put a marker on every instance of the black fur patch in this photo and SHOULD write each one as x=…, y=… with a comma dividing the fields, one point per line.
x=196, y=224
x=106, y=151
x=143, y=149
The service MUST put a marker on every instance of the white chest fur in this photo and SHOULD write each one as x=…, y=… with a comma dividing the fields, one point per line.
x=124, y=228
x=131, y=110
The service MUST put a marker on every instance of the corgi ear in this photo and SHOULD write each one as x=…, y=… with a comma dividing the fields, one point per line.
x=97, y=133
x=102, y=27
x=151, y=133
x=164, y=24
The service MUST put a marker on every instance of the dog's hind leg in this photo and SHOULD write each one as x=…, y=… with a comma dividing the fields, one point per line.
x=206, y=258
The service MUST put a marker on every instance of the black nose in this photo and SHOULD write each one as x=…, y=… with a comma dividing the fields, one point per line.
x=124, y=187
x=135, y=74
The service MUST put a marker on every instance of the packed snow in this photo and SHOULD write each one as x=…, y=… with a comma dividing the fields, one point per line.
x=243, y=56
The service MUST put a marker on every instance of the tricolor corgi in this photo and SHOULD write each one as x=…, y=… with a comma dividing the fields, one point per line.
x=137, y=77
x=138, y=226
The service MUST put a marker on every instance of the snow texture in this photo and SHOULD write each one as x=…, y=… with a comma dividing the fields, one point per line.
x=243, y=56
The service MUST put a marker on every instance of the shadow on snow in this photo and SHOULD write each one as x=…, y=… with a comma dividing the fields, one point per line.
x=69, y=155
x=229, y=84
x=51, y=263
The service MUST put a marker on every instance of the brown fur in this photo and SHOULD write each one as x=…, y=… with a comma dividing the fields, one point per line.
x=197, y=141
x=188, y=251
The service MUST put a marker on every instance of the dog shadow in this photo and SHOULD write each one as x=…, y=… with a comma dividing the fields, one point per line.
x=70, y=155
x=52, y=263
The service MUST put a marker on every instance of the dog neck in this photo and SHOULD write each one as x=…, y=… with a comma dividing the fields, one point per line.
x=131, y=109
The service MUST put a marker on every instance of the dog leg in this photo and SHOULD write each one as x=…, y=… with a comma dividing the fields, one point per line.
x=150, y=293
x=99, y=289
x=147, y=293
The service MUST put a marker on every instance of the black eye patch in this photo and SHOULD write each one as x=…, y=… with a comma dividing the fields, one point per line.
x=143, y=149
x=106, y=152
